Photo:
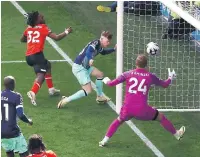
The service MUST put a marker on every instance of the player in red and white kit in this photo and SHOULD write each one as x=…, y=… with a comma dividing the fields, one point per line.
x=37, y=148
x=35, y=36
x=138, y=83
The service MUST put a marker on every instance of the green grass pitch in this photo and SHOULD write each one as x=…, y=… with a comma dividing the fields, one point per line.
x=75, y=130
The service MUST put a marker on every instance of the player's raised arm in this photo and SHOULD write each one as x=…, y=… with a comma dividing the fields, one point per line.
x=60, y=36
x=164, y=83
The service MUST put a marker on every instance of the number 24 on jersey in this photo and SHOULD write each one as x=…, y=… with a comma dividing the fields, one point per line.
x=141, y=87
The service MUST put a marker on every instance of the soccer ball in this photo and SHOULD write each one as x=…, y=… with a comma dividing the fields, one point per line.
x=153, y=48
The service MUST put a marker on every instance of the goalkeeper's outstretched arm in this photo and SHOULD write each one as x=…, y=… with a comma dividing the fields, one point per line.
x=114, y=82
x=164, y=83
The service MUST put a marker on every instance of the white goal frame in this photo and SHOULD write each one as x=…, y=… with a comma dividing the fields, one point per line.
x=119, y=61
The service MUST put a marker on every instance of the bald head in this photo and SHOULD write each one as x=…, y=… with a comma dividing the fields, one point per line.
x=9, y=82
x=141, y=61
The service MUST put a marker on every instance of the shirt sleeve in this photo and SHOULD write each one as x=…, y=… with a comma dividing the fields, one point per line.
x=25, y=32
x=106, y=51
x=118, y=80
x=19, y=101
x=51, y=153
x=159, y=82
x=20, y=109
x=47, y=30
x=90, y=50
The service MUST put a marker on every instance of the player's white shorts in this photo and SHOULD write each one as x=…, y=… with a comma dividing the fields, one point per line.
x=82, y=74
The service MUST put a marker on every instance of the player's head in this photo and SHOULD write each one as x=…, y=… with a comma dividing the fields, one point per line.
x=9, y=82
x=34, y=18
x=35, y=144
x=141, y=61
x=105, y=39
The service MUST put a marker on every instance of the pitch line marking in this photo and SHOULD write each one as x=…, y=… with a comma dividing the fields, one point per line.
x=18, y=61
x=111, y=104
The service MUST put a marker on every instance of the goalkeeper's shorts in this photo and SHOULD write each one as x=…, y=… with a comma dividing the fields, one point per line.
x=139, y=112
x=82, y=74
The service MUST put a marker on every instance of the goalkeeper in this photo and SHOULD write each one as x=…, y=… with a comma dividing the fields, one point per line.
x=138, y=82
x=83, y=68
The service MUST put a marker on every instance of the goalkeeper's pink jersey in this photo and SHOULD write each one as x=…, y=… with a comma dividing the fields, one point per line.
x=138, y=83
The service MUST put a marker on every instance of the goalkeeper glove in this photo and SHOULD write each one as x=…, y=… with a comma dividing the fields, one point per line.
x=171, y=74
x=106, y=80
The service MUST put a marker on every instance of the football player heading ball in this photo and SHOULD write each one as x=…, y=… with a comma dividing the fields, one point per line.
x=83, y=68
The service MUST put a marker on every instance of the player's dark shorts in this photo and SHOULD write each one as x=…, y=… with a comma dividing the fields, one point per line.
x=38, y=62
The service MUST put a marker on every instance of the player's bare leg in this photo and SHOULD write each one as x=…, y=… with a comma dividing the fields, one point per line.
x=35, y=88
x=86, y=89
x=99, y=85
x=52, y=91
x=178, y=134
x=111, y=130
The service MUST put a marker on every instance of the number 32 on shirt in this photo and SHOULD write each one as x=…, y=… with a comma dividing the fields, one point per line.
x=33, y=36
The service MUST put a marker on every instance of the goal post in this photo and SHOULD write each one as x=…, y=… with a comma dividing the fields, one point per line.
x=187, y=17
x=133, y=34
x=119, y=62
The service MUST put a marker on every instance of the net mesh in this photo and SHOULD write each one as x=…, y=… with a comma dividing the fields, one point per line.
x=191, y=7
x=181, y=55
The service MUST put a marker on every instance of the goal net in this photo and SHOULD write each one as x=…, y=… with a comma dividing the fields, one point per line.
x=179, y=48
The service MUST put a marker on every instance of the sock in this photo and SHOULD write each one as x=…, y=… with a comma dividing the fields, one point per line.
x=113, y=6
x=106, y=139
x=77, y=95
x=99, y=85
x=10, y=154
x=113, y=128
x=168, y=125
x=48, y=79
x=36, y=86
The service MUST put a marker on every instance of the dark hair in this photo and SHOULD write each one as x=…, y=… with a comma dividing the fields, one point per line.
x=107, y=34
x=32, y=18
x=35, y=144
